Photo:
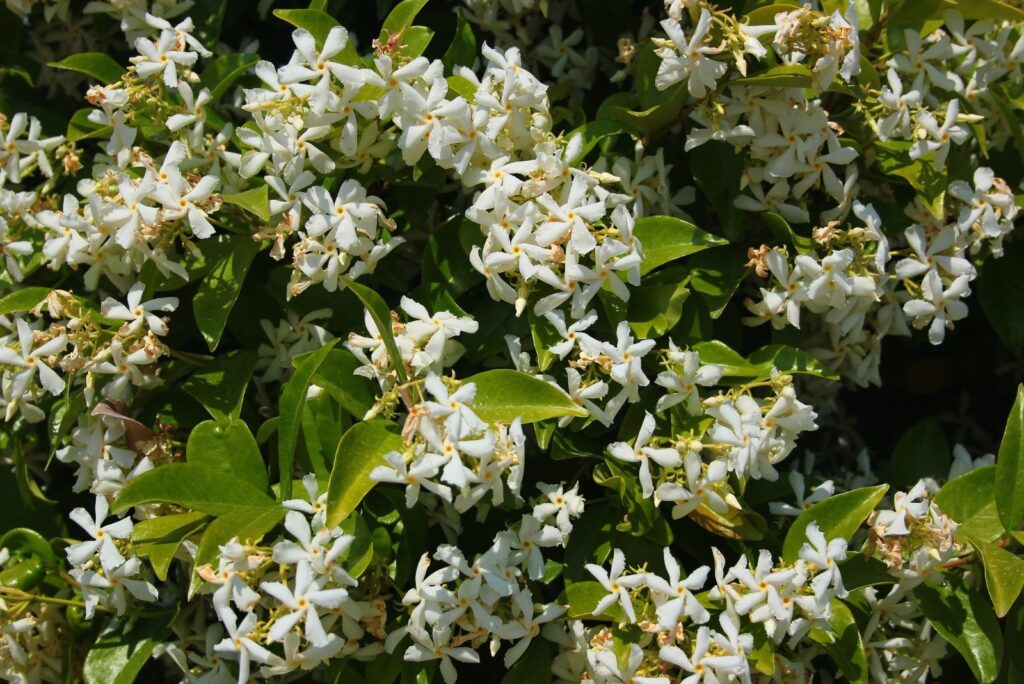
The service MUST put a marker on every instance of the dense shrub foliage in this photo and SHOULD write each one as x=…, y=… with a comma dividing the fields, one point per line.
x=532, y=340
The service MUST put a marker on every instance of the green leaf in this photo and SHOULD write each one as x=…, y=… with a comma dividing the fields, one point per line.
x=732, y=364
x=583, y=597
x=847, y=649
x=219, y=290
x=414, y=42
x=360, y=554
x=360, y=450
x=666, y=238
x=192, y=486
x=784, y=231
x=593, y=132
x=381, y=315
x=401, y=17
x=837, y=516
x=544, y=336
x=1001, y=290
x=784, y=76
x=502, y=395
x=986, y=9
x=966, y=620
x=254, y=200
x=533, y=666
x=790, y=360
x=462, y=51
x=860, y=571
x=1004, y=575
x=715, y=275
x=1010, y=467
x=336, y=374
x=293, y=398
x=158, y=539
x=221, y=73
x=122, y=650
x=247, y=524
x=229, y=446
x=316, y=22
x=98, y=65
x=657, y=305
x=81, y=128
x=893, y=158
x=220, y=385
x=970, y=501
x=922, y=451
x=23, y=299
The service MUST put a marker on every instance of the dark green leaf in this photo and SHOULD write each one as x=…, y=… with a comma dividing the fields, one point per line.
x=847, y=649
x=158, y=538
x=381, y=315
x=462, y=51
x=1001, y=290
x=220, y=385
x=1010, y=467
x=534, y=665
x=401, y=17
x=966, y=620
x=293, y=398
x=122, y=650
x=970, y=501
x=784, y=76
x=922, y=451
x=219, y=290
x=336, y=374
x=221, y=73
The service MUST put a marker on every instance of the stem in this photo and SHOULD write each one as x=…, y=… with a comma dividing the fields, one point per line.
x=19, y=595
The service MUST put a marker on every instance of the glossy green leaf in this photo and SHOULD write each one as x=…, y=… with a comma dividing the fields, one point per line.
x=1004, y=575
x=192, y=486
x=784, y=231
x=316, y=22
x=966, y=620
x=336, y=374
x=715, y=275
x=1009, y=487
x=254, y=200
x=986, y=9
x=360, y=450
x=583, y=597
x=922, y=451
x=593, y=132
x=247, y=524
x=503, y=395
x=97, y=65
x=462, y=51
x=23, y=299
x=790, y=360
x=222, y=72
x=893, y=158
x=837, y=516
x=534, y=664
x=359, y=556
x=970, y=501
x=293, y=398
x=666, y=238
x=219, y=290
x=733, y=365
x=784, y=76
x=847, y=649
x=381, y=315
x=414, y=42
x=229, y=446
x=157, y=539
x=220, y=385
x=657, y=305
x=81, y=128
x=122, y=649
x=860, y=571
x=401, y=17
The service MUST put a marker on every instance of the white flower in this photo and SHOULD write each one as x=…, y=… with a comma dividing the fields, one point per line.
x=302, y=601
x=34, y=361
x=824, y=555
x=138, y=312
x=616, y=584
x=413, y=475
x=676, y=596
x=938, y=137
x=666, y=457
x=161, y=57
x=608, y=665
x=939, y=305
x=436, y=646
x=699, y=489
x=239, y=643
x=688, y=59
x=103, y=537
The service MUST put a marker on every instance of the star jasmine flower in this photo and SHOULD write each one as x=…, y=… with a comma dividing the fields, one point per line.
x=666, y=457
x=139, y=313
x=616, y=585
